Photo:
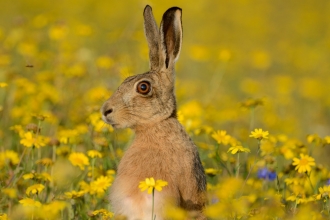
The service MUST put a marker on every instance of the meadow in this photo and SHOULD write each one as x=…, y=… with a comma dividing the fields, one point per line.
x=252, y=89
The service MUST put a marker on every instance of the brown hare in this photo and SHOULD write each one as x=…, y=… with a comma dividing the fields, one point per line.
x=161, y=148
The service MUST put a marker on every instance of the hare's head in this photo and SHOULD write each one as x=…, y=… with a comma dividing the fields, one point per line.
x=149, y=97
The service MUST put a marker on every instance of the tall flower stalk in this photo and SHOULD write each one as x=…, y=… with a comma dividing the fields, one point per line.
x=150, y=184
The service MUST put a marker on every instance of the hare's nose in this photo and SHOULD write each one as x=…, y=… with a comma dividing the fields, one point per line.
x=107, y=112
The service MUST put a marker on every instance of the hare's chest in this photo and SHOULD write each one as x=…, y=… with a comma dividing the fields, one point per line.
x=149, y=162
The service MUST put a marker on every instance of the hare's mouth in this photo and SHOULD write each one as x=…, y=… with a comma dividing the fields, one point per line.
x=113, y=125
x=109, y=121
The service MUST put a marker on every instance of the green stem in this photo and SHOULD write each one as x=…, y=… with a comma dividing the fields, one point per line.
x=39, y=153
x=112, y=150
x=53, y=158
x=252, y=119
x=237, y=165
x=32, y=157
x=295, y=207
x=251, y=168
x=277, y=185
x=12, y=180
x=152, y=211
x=93, y=162
x=310, y=182
x=221, y=162
x=39, y=149
x=54, y=153
x=259, y=143
x=327, y=204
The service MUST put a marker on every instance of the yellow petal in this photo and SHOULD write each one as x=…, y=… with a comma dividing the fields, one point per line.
x=150, y=190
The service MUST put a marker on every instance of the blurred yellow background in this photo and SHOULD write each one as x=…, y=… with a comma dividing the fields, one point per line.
x=233, y=51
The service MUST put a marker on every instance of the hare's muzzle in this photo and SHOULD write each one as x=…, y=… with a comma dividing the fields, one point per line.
x=107, y=112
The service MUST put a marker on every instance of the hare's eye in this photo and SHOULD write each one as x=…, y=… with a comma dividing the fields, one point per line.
x=143, y=87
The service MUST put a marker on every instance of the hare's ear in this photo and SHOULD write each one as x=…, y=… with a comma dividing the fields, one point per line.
x=171, y=35
x=152, y=35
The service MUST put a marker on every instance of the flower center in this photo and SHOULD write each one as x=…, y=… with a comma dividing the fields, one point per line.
x=303, y=162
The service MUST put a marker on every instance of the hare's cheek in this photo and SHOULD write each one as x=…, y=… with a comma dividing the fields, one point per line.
x=127, y=99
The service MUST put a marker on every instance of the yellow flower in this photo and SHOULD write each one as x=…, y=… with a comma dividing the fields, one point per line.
x=287, y=152
x=58, y=32
x=238, y=149
x=17, y=129
x=41, y=176
x=53, y=210
x=100, y=185
x=295, y=198
x=221, y=137
x=211, y=171
x=40, y=117
x=83, y=30
x=45, y=161
x=199, y=52
x=304, y=164
x=30, y=202
x=97, y=94
x=327, y=139
x=3, y=85
x=29, y=176
x=150, y=184
x=34, y=189
x=111, y=172
x=44, y=177
x=74, y=194
x=75, y=70
x=267, y=148
x=29, y=140
x=294, y=181
x=103, y=213
x=261, y=59
x=63, y=150
x=40, y=21
x=3, y=216
x=104, y=62
x=259, y=134
x=9, y=156
x=27, y=49
x=98, y=123
x=313, y=138
x=225, y=55
x=68, y=136
x=10, y=192
x=94, y=153
x=175, y=213
x=79, y=159
x=324, y=192
x=84, y=186
x=252, y=103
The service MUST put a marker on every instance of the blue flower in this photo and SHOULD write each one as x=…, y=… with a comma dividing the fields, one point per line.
x=264, y=173
x=272, y=175
x=327, y=182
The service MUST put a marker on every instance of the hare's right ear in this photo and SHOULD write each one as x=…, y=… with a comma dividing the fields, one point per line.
x=152, y=35
x=171, y=35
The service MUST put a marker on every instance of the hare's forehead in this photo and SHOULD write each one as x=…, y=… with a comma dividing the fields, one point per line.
x=131, y=80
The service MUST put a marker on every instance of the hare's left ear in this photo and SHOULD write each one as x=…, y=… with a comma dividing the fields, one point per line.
x=152, y=35
x=171, y=36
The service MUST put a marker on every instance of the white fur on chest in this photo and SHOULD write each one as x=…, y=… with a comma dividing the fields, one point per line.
x=137, y=207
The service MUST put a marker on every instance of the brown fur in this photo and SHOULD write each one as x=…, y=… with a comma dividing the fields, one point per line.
x=161, y=148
